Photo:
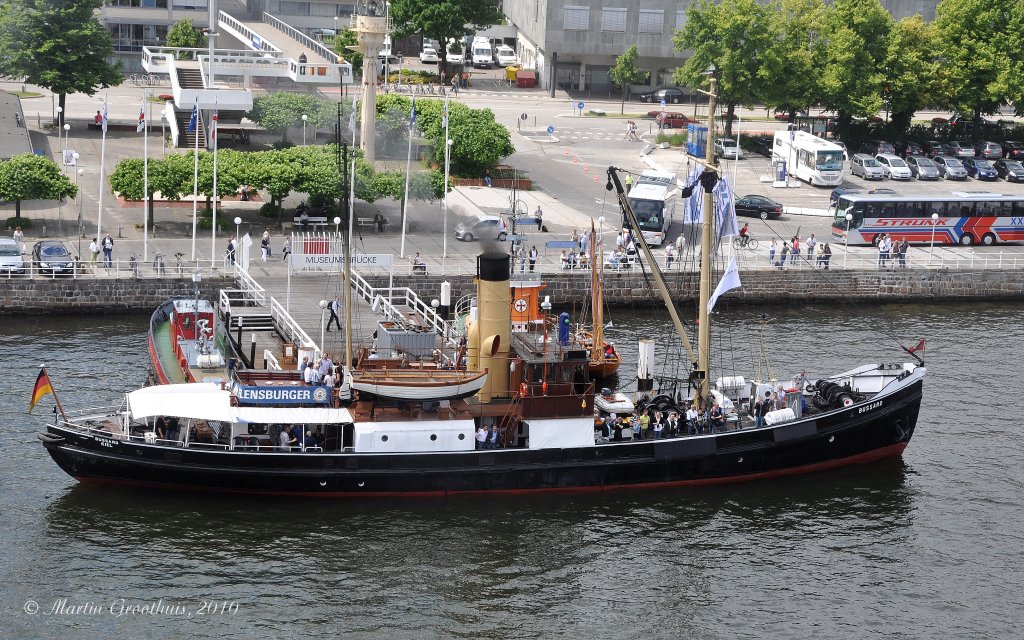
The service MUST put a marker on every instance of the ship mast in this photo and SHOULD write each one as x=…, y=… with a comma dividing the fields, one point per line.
x=708, y=180
x=596, y=299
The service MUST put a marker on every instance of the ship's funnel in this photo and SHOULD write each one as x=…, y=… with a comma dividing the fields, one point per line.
x=493, y=330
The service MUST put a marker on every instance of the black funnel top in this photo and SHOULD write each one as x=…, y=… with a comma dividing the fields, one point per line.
x=493, y=266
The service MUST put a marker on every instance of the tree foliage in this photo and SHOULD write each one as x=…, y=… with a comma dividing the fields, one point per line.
x=185, y=35
x=910, y=69
x=443, y=19
x=282, y=110
x=732, y=37
x=788, y=73
x=31, y=177
x=627, y=72
x=340, y=45
x=58, y=45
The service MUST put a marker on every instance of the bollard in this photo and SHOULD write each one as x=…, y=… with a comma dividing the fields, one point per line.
x=119, y=231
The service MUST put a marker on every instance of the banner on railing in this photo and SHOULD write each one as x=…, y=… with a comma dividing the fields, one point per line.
x=334, y=261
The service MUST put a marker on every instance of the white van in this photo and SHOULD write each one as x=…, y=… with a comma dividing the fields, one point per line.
x=482, y=56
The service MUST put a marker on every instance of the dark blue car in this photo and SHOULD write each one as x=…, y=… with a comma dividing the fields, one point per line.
x=980, y=169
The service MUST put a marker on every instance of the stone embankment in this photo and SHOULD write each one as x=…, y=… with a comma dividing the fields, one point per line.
x=27, y=296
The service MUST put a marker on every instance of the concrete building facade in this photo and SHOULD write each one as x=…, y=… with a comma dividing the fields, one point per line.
x=573, y=43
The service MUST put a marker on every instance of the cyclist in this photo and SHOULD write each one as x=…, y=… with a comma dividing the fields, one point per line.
x=744, y=235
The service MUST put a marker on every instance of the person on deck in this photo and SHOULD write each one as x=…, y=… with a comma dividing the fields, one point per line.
x=609, y=351
x=691, y=420
x=716, y=417
x=762, y=408
x=481, y=437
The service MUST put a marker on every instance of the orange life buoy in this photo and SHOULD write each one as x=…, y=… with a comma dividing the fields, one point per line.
x=544, y=388
x=523, y=389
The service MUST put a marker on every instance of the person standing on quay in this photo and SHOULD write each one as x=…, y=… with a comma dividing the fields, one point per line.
x=19, y=237
x=108, y=251
x=94, y=250
x=533, y=258
x=539, y=215
x=772, y=249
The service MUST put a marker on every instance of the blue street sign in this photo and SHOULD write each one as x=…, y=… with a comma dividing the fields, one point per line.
x=580, y=106
x=550, y=129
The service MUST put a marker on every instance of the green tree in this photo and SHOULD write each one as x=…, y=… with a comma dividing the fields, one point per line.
x=627, y=72
x=128, y=179
x=732, y=37
x=282, y=110
x=910, y=70
x=185, y=35
x=31, y=177
x=342, y=45
x=978, y=53
x=852, y=58
x=58, y=45
x=788, y=67
x=1012, y=76
x=443, y=19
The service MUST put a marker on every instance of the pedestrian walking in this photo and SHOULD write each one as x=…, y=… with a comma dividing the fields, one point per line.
x=108, y=251
x=772, y=250
x=533, y=258
x=286, y=249
x=539, y=215
x=334, y=307
x=229, y=254
x=265, y=246
x=19, y=237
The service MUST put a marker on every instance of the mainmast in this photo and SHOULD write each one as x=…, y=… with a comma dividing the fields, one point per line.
x=709, y=178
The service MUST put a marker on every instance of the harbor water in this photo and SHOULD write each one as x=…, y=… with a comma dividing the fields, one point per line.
x=920, y=547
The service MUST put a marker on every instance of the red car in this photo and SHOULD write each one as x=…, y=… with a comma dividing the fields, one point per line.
x=671, y=119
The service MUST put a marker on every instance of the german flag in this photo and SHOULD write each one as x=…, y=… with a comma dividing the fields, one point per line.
x=42, y=388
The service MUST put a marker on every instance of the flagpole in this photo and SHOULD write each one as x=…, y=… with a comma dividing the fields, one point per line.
x=213, y=230
x=195, y=181
x=408, y=165
x=447, y=162
x=103, y=156
x=145, y=176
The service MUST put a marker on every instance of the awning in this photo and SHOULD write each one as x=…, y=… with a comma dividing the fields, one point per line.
x=198, y=401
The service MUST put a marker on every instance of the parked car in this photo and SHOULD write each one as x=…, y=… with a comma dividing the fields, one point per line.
x=833, y=198
x=980, y=169
x=934, y=148
x=1013, y=150
x=875, y=147
x=922, y=168
x=894, y=167
x=865, y=166
x=428, y=55
x=671, y=95
x=782, y=116
x=950, y=168
x=958, y=149
x=482, y=227
x=505, y=56
x=1009, y=170
x=455, y=55
x=51, y=256
x=846, y=152
x=727, y=148
x=761, y=145
x=882, y=191
x=671, y=119
x=758, y=206
x=11, y=262
x=988, y=150
x=908, y=148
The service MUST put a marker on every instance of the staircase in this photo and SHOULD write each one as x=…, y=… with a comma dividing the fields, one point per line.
x=186, y=139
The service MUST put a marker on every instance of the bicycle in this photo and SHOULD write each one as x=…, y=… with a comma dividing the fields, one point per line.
x=158, y=264
x=180, y=266
x=744, y=243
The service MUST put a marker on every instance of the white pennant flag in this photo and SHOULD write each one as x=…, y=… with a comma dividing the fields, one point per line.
x=730, y=280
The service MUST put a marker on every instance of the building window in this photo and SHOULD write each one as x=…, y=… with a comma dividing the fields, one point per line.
x=295, y=8
x=651, y=21
x=680, y=19
x=613, y=19
x=577, y=18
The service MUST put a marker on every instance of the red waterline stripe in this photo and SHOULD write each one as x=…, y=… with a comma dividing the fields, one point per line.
x=156, y=362
x=860, y=458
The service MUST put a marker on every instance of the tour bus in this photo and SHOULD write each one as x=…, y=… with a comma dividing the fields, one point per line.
x=809, y=157
x=482, y=56
x=651, y=199
x=961, y=217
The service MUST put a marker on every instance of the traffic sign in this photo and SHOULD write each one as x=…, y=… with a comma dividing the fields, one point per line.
x=551, y=129
x=579, y=106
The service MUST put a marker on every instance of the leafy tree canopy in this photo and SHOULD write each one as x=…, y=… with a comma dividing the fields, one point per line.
x=184, y=34
x=31, y=177
x=627, y=72
x=347, y=38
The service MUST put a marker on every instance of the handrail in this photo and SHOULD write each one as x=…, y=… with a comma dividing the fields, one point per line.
x=290, y=329
x=249, y=285
x=232, y=23
x=295, y=34
x=271, y=360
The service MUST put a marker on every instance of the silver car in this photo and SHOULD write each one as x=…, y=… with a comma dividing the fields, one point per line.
x=863, y=165
x=727, y=148
x=894, y=167
x=11, y=262
x=950, y=168
x=923, y=168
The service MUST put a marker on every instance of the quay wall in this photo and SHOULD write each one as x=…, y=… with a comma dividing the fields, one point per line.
x=759, y=287
x=98, y=296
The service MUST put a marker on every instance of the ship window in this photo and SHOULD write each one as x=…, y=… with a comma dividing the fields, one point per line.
x=462, y=436
x=383, y=438
x=433, y=437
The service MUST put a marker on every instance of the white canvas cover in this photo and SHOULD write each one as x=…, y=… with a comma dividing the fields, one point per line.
x=200, y=401
x=413, y=437
x=561, y=433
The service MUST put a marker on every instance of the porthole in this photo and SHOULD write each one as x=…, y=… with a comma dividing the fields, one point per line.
x=433, y=437
x=740, y=459
x=383, y=438
x=323, y=483
x=462, y=436
x=831, y=438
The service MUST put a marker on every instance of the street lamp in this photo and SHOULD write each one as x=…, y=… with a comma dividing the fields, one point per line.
x=238, y=231
x=846, y=248
x=304, y=118
x=935, y=220
x=163, y=131
x=337, y=221
x=67, y=129
x=447, y=165
x=323, y=310
x=78, y=194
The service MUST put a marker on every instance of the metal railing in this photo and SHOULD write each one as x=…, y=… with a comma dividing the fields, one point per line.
x=270, y=361
x=383, y=300
x=300, y=37
x=290, y=330
x=243, y=30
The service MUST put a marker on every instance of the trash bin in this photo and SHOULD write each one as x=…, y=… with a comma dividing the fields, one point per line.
x=510, y=74
x=526, y=79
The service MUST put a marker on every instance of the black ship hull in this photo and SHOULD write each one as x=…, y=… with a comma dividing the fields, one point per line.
x=879, y=428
